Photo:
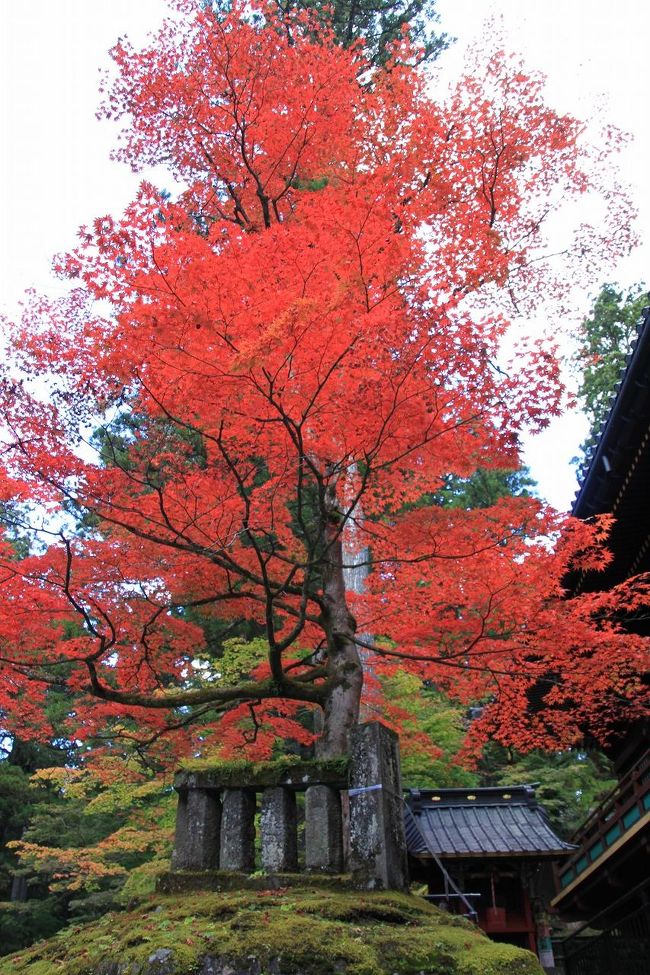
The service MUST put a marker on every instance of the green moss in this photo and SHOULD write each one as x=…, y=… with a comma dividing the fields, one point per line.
x=308, y=929
x=239, y=774
x=189, y=881
x=141, y=881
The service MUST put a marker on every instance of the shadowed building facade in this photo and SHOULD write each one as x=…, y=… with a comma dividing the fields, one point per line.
x=605, y=884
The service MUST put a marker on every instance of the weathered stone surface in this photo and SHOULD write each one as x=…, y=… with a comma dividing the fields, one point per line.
x=133, y=968
x=237, y=830
x=186, y=882
x=231, y=966
x=278, y=829
x=224, y=965
x=210, y=834
x=198, y=821
x=378, y=856
x=293, y=773
x=323, y=829
x=180, y=853
x=160, y=962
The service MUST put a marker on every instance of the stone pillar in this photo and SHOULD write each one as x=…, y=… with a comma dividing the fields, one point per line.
x=198, y=821
x=378, y=858
x=323, y=829
x=279, y=831
x=237, y=830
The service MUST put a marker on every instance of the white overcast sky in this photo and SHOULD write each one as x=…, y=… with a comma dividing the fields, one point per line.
x=55, y=172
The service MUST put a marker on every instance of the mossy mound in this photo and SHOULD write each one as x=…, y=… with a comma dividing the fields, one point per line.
x=297, y=931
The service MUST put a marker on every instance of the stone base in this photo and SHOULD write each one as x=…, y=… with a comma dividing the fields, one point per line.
x=181, y=882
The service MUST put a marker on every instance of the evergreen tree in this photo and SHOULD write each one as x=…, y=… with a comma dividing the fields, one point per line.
x=569, y=784
x=485, y=487
x=606, y=339
x=377, y=23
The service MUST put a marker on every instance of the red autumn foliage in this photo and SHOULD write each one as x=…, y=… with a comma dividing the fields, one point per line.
x=291, y=343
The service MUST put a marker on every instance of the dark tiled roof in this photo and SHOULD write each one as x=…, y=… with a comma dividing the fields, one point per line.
x=479, y=822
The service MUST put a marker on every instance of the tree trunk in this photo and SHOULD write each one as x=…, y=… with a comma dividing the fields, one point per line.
x=341, y=712
x=18, y=888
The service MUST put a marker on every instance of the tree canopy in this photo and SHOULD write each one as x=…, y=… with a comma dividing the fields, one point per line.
x=377, y=24
x=605, y=341
x=256, y=380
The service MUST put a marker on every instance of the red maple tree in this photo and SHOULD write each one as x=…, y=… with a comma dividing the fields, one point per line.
x=278, y=367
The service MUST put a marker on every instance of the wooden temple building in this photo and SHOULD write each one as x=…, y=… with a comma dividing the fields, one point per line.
x=485, y=853
x=605, y=883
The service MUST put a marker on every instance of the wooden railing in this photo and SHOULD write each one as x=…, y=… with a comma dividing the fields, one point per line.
x=617, y=816
x=602, y=948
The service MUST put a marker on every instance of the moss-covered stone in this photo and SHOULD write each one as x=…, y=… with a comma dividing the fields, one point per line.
x=292, y=771
x=188, y=881
x=298, y=931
